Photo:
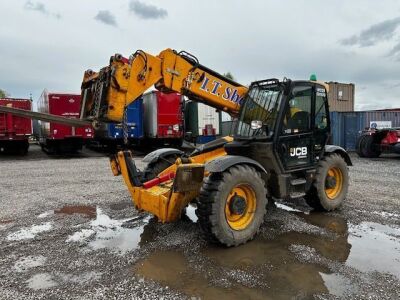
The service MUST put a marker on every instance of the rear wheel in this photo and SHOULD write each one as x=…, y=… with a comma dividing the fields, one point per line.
x=331, y=184
x=232, y=205
x=153, y=169
x=359, y=144
x=23, y=150
x=368, y=147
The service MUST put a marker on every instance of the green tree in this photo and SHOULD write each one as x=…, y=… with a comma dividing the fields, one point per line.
x=3, y=94
x=229, y=75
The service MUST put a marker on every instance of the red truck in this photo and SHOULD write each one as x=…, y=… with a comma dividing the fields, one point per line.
x=55, y=138
x=163, y=118
x=14, y=130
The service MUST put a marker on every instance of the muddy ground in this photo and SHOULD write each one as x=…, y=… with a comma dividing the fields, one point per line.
x=68, y=230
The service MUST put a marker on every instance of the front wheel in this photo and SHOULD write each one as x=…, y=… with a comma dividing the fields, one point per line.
x=331, y=184
x=232, y=205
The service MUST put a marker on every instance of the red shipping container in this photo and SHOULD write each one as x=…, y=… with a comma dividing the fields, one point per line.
x=62, y=138
x=15, y=130
x=163, y=116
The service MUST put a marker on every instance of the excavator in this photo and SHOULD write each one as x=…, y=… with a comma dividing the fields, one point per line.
x=279, y=148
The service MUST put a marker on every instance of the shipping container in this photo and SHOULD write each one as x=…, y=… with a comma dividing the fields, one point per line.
x=202, y=122
x=15, y=130
x=57, y=138
x=111, y=135
x=163, y=118
x=346, y=126
x=341, y=96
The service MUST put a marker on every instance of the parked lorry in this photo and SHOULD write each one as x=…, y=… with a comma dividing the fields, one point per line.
x=373, y=142
x=57, y=138
x=111, y=135
x=202, y=122
x=163, y=118
x=15, y=130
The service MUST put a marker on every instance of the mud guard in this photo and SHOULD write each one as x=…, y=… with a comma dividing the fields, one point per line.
x=222, y=163
x=339, y=150
x=160, y=153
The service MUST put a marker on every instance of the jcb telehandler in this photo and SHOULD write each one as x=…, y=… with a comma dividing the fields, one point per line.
x=279, y=149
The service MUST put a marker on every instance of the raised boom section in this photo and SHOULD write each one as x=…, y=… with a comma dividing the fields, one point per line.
x=106, y=94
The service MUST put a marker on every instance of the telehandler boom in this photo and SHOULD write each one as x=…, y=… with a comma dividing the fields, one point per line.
x=279, y=149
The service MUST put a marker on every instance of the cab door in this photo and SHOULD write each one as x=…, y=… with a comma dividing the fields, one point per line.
x=295, y=144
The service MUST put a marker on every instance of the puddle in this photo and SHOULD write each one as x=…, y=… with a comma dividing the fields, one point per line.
x=171, y=269
x=269, y=264
x=119, y=236
x=41, y=281
x=87, y=211
x=29, y=233
x=29, y=262
x=338, y=285
x=375, y=247
x=330, y=223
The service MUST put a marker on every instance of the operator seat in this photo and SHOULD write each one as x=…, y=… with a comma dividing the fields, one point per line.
x=300, y=120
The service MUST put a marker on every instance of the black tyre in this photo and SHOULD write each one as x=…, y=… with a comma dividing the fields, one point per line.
x=359, y=144
x=232, y=205
x=153, y=169
x=368, y=147
x=331, y=184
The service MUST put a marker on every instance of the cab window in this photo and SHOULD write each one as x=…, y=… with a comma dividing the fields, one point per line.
x=298, y=111
x=321, y=119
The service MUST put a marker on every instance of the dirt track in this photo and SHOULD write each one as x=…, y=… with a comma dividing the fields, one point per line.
x=68, y=230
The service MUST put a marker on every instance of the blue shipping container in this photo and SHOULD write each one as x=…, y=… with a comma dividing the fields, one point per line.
x=346, y=126
x=134, y=122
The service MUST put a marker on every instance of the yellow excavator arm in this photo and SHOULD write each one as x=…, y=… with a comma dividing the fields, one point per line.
x=107, y=93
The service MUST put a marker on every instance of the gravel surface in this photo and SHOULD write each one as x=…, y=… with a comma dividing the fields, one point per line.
x=68, y=230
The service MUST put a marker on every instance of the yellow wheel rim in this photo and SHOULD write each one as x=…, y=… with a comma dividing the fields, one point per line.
x=240, y=206
x=335, y=176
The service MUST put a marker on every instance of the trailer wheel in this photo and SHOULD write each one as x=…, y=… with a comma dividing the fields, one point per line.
x=23, y=150
x=331, y=184
x=153, y=169
x=368, y=147
x=359, y=145
x=232, y=205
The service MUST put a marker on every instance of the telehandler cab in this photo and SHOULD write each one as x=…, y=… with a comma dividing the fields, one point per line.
x=279, y=148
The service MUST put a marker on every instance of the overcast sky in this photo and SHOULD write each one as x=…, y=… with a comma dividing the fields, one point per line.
x=49, y=44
